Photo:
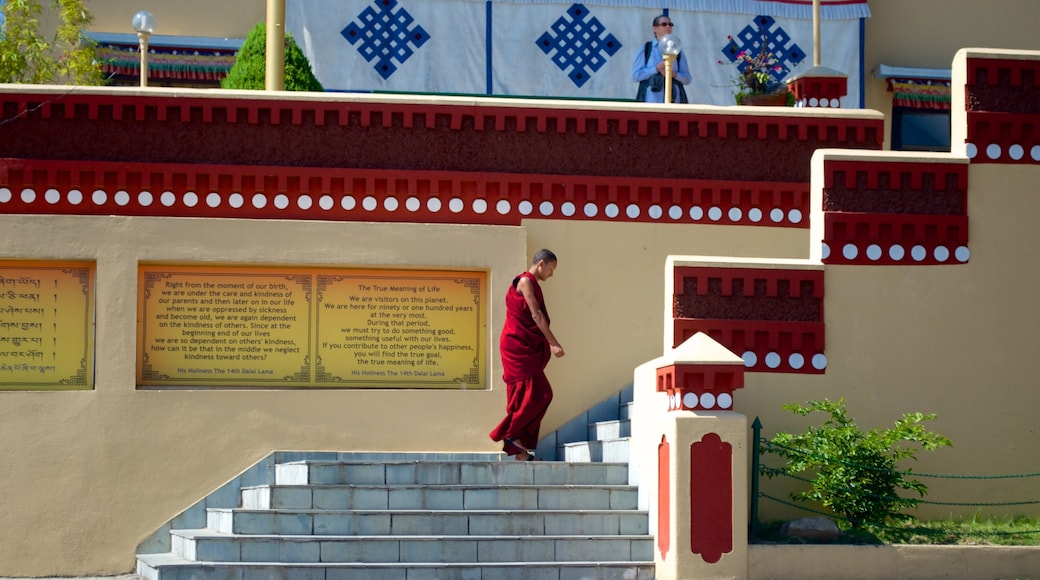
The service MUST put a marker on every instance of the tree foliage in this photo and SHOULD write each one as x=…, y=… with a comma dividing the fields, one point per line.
x=251, y=65
x=27, y=56
x=853, y=473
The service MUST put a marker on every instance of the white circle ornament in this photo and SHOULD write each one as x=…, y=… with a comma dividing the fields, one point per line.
x=725, y=400
x=707, y=400
x=750, y=358
x=689, y=400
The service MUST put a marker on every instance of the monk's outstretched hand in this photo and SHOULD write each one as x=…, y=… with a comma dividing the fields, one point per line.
x=557, y=351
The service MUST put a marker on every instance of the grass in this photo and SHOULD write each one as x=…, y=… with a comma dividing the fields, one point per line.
x=975, y=530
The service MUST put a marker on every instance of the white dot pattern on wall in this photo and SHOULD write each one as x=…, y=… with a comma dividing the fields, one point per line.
x=393, y=204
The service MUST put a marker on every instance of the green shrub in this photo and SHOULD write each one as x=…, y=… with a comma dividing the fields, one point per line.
x=251, y=65
x=852, y=472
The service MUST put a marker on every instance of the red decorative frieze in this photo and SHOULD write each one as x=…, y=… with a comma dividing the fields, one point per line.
x=895, y=213
x=704, y=387
x=183, y=190
x=1002, y=98
x=711, y=498
x=771, y=318
x=765, y=345
x=879, y=239
x=389, y=132
x=819, y=91
x=1010, y=138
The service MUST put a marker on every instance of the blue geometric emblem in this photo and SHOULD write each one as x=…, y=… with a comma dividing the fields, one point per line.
x=579, y=44
x=382, y=35
x=754, y=39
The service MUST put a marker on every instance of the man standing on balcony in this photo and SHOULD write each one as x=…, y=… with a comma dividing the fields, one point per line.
x=526, y=345
x=648, y=68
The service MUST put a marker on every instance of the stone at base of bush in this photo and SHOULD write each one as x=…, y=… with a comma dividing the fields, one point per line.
x=818, y=529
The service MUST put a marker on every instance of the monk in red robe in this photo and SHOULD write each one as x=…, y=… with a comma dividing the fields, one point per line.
x=526, y=346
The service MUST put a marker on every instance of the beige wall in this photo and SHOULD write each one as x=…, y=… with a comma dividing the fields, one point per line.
x=927, y=34
x=221, y=19
x=89, y=475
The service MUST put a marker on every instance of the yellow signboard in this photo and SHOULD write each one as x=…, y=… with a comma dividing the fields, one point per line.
x=46, y=325
x=280, y=327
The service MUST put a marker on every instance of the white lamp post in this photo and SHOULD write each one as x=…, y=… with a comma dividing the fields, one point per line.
x=670, y=48
x=144, y=24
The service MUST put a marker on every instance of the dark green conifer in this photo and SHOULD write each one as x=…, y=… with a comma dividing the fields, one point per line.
x=251, y=64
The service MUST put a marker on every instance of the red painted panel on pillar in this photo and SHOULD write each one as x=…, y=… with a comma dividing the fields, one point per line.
x=664, y=491
x=711, y=498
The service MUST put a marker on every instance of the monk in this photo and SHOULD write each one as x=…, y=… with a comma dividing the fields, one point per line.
x=526, y=346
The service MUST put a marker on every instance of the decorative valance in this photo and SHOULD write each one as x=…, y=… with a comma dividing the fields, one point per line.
x=185, y=60
x=829, y=9
x=917, y=88
x=180, y=64
x=920, y=93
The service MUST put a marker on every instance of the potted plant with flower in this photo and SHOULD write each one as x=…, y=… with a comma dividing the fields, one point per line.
x=760, y=71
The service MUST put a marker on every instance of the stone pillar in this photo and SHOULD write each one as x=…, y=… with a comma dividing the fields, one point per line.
x=693, y=458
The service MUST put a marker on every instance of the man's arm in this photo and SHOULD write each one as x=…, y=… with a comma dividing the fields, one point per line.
x=682, y=69
x=524, y=286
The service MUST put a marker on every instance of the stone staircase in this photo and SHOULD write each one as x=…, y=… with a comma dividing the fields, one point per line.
x=599, y=434
x=330, y=516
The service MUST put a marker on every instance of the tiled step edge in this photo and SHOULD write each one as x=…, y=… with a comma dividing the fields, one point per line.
x=169, y=566
x=444, y=522
x=447, y=473
x=207, y=546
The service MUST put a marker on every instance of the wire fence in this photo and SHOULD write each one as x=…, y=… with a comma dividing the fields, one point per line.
x=762, y=446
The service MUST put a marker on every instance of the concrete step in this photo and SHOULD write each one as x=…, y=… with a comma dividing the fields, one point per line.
x=172, y=567
x=594, y=452
x=609, y=430
x=427, y=522
x=208, y=546
x=335, y=472
x=440, y=497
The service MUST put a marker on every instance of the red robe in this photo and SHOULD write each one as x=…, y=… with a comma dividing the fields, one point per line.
x=525, y=353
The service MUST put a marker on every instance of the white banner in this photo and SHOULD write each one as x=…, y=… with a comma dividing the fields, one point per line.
x=555, y=49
